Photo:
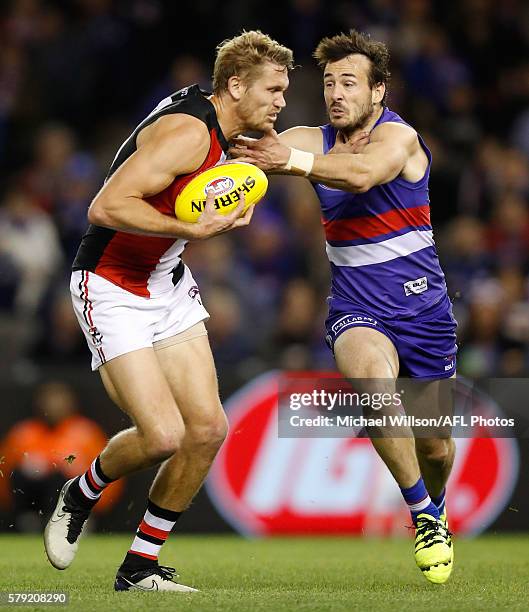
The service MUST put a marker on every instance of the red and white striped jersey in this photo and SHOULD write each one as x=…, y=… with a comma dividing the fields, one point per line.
x=140, y=264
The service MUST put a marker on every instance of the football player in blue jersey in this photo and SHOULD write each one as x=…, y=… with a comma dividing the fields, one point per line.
x=389, y=312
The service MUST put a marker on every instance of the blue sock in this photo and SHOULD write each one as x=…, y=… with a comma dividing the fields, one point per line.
x=419, y=501
x=439, y=501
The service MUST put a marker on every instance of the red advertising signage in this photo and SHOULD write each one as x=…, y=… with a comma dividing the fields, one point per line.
x=266, y=485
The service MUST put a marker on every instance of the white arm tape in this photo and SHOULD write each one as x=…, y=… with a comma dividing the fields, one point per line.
x=300, y=161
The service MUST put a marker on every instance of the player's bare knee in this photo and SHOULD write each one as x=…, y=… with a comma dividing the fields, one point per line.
x=160, y=445
x=161, y=449
x=434, y=451
x=209, y=435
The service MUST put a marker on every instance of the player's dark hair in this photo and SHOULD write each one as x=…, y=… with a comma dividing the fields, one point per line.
x=244, y=55
x=337, y=47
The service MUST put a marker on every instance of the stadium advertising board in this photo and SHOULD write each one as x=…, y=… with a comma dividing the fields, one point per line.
x=265, y=484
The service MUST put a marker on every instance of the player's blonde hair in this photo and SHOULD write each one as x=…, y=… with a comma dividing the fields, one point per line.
x=244, y=55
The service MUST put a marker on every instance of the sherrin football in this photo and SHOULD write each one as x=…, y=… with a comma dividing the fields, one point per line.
x=227, y=181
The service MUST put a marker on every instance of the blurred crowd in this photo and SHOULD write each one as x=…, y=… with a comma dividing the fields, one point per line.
x=77, y=76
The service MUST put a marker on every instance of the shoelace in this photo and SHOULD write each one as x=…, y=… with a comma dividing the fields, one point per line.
x=78, y=517
x=413, y=527
x=166, y=572
x=429, y=529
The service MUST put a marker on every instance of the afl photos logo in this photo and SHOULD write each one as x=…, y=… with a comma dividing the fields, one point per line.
x=266, y=485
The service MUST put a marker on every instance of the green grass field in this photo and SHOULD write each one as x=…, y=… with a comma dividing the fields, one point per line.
x=491, y=573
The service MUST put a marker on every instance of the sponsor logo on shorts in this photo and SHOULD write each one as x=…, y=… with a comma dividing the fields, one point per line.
x=449, y=366
x=414, y=287
x=348, y=320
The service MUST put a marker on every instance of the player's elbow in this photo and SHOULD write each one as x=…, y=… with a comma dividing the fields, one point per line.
x=359, y=181
x=98, y=213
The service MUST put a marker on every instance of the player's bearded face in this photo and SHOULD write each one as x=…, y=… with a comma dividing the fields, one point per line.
x=348, y=94
x=264, y=98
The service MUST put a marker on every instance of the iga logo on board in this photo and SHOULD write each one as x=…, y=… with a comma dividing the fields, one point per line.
x=265, y=485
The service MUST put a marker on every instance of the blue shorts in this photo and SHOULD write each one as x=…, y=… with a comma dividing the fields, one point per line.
x=426, y=344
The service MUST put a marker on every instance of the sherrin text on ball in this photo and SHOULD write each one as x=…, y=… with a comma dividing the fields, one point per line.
x=227, y=182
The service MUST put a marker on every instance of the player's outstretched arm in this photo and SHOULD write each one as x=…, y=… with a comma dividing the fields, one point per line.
x=381, y=160
x=385, y=157
x=172, y=146
x=271, y=151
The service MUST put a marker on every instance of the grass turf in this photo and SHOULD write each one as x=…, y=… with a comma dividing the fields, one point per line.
x=235, y=574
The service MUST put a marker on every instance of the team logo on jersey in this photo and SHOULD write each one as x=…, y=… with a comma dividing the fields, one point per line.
x=220, y=185
x=265, y=485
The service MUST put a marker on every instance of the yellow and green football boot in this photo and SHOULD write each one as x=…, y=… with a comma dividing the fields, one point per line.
x=444, y=520
x=433, y=554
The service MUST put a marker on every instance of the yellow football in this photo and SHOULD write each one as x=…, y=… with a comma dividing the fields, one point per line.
x=227, y=182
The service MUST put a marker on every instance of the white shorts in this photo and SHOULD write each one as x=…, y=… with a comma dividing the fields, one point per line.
x=115, y=321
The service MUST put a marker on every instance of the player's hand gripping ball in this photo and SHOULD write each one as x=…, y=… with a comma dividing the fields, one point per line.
x=227, y=181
